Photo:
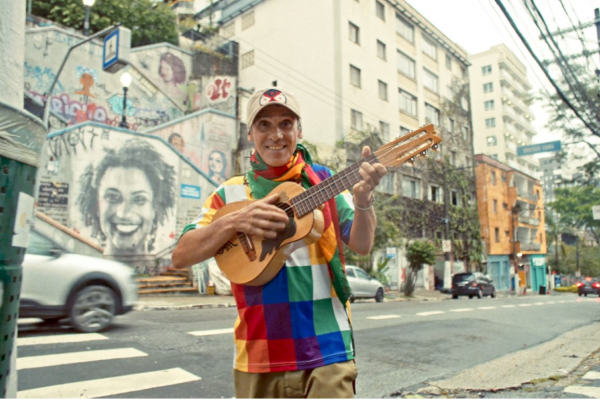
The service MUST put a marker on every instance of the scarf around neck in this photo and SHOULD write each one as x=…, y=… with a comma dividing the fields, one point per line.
x=263, y=178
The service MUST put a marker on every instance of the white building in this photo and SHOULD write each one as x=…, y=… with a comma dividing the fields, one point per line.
x=500, y=105
x=363, y=65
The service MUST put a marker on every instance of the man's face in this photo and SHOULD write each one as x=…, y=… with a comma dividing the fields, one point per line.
x=275, y=133
x=126, y=207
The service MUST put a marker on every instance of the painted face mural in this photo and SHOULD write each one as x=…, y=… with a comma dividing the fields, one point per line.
x=127, y=197
x=216, y=166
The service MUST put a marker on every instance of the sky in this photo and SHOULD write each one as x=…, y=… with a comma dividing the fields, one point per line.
x=476, y=25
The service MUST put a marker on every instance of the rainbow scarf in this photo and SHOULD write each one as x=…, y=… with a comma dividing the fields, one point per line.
x=263, y=179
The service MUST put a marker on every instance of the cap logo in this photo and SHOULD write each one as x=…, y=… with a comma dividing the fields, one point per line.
x=272, y=95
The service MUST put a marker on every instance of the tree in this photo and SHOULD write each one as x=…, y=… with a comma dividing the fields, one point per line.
x=574, y=205
x=418, y=253
x=555, y=227
x=149, y=22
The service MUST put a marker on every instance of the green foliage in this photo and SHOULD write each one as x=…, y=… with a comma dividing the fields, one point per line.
x=420, y=252
x=574, y=205
x=589, y=261
x=382, y=270
x=149, y=22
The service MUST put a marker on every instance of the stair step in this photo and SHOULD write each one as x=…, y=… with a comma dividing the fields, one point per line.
x=175, y=273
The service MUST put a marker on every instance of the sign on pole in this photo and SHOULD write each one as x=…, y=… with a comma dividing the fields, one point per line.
x=539, y=148
x=116, y=49
x=446, y=246
x=596, y=212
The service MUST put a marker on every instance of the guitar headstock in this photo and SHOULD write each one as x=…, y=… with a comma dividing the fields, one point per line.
x=406, y=148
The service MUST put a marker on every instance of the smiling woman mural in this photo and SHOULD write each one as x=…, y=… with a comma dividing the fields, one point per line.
x=127, y=197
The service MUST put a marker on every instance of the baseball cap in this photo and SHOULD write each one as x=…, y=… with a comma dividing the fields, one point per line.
x=268, y=97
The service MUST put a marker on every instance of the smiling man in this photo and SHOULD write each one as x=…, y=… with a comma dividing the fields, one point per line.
x=293, y=335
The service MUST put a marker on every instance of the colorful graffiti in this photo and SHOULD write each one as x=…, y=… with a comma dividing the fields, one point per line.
x=218, y=90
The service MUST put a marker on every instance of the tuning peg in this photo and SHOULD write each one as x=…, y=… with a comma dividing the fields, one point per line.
x=435, y=147
x=411, y=161
x=423, y=154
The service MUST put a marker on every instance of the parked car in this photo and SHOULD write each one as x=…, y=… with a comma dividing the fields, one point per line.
x=588, y=286
x=472, y=284
x=363, y=285
x=89, y=291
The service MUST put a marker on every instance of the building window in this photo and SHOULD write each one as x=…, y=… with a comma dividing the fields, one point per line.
x=467, y=161
x=449, y=62
x=430, y=80
x=465, y=132
x=381, y=52
x=505, y=206
x=503, y=177
x=486, y=69
x=384, y=129
x=353, y=33
x=492, y=141
x=454, y=198
x=406, y=65
x=248, y=20
x=506, y=233
x=357, y=120
x=386, y=185
x=354, y=76
x=453, y=158
x=380, y=10
x=383, y=90
x=493, y=178
x=248, y=59
x=410, y=187
x=450, y=125
x=435, y=194
x=429, y=47
x=497, y=234
x=432, y=115
x=488, y=87
x=489, y=105
x=404, y=29
x=408, y=102
x=228, y=30
x=495, y=206
x=490, y=122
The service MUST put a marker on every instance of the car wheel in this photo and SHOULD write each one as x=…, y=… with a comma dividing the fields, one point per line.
x=580, y=294
x=455, y=296
x=585, y=294
x=470, y=296
x=352, y=298
x=93, y=309
x=379, y=295
x=493, y=294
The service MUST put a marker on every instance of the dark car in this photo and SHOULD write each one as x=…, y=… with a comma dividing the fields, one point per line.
x=588, y=286
x=472, y=284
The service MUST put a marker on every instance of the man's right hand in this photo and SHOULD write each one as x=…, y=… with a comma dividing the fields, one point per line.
x=261, y=218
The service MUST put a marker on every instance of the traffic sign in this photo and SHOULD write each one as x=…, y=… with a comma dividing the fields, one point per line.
x=539, y=148
x=116, y=49
x=596, y=212
x=446, y=246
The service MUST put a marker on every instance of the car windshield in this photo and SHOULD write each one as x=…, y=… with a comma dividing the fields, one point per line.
x=463, y=277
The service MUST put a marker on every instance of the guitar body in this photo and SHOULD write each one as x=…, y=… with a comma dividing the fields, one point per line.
x=254, y=261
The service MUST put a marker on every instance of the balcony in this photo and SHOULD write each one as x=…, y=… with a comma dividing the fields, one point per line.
x=529, y=246
x=529, y=220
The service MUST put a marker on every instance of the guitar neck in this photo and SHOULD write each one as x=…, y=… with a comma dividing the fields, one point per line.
x=319, y=194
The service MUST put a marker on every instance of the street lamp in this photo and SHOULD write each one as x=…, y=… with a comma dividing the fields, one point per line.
x=125, y=81
x=86, y=22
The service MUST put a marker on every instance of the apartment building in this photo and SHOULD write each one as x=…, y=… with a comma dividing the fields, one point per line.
x=500, y=105
x=511, y=214
x=368, y=65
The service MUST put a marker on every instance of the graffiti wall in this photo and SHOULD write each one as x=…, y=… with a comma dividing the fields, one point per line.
x=84, y=92
x=170, y=69
x=131, y=194
x=207, y=138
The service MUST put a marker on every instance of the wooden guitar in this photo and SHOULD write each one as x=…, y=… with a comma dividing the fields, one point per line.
x=254, y=261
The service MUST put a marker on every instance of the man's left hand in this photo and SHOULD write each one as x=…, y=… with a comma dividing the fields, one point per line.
x=371, y=177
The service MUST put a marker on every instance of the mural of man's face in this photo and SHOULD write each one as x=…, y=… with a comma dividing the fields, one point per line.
x=166, y=72
x=177, y=142
x=126, y=208
x=215, y=163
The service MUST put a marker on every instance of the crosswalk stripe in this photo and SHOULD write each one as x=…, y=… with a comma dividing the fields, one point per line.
x=539, y=304
x=508, y=306
x=55, y=339
x=384, y=317
x=211, y=332
x=461, y=310
x=76, y=357
x=592, y=375
x=525, y=305
x=430, y=313
x=486, y=308
x=590, y=391
x=111, y=386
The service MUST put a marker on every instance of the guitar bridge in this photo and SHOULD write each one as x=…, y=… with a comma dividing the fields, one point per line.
x=248, y=246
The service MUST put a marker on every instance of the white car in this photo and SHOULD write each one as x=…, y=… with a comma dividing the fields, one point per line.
x=89, y=291
x=363, y=285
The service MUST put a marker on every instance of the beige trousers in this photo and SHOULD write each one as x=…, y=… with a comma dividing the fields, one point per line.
x=334, y=381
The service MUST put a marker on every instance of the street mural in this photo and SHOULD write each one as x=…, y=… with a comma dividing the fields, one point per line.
x=206, y=138
x=85, y=92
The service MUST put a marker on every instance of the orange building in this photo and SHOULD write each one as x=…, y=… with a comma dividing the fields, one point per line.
x=511, y=215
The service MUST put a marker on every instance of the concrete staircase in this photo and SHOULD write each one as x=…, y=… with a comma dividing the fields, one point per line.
x=172, y=282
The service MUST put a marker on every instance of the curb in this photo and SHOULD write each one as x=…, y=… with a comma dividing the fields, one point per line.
x=185, y=307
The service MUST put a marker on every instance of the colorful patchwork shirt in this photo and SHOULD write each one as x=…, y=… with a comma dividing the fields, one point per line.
x=296, y=320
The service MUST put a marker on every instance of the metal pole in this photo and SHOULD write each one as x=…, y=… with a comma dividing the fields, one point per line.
x=447, y=264
x=123, y=123
x=51, y=89
x=86, y=22
x=578, y=270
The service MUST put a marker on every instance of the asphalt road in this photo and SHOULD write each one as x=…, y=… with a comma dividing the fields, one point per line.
x=189, y=353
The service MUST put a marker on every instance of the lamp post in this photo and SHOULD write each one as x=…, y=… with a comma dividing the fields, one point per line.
x=125, y=81
x=86, y=23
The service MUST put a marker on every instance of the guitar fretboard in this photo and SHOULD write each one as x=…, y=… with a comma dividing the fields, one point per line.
x=319, y=194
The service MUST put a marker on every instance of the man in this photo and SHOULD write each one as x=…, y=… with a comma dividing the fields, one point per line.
x=293, y=336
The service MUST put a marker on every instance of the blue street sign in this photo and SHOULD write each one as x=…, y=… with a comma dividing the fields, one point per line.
x=190, y=191
x=539, y=148
x=110, y=54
